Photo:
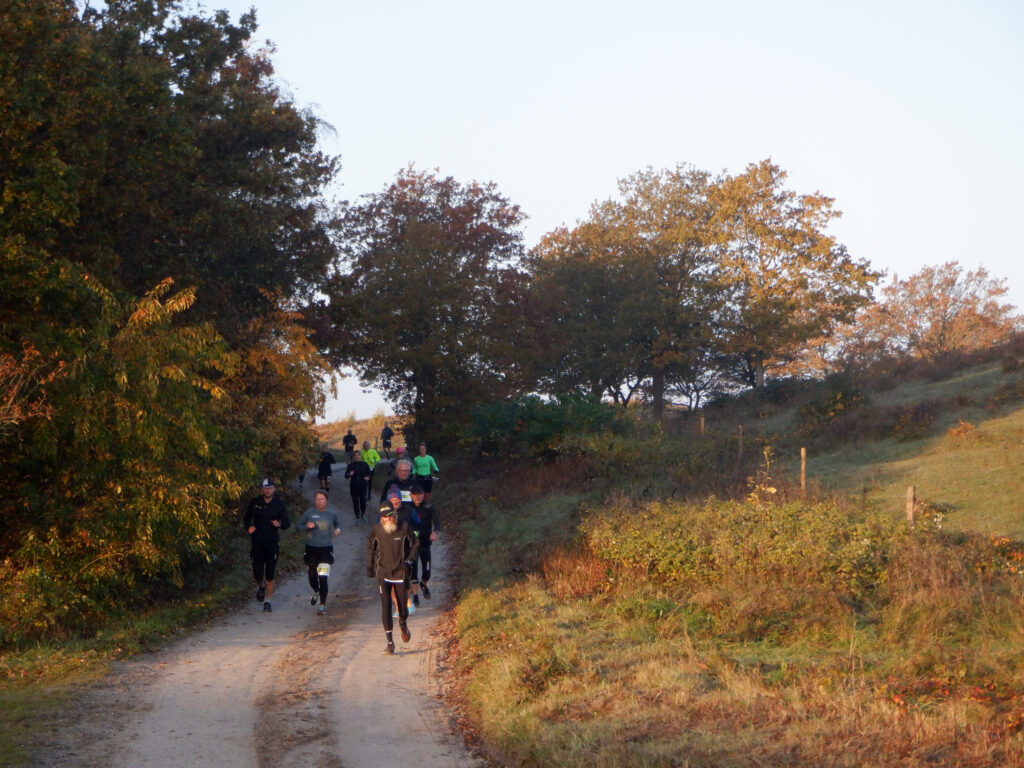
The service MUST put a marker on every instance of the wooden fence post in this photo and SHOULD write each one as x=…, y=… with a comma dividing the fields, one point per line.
x=911, y=504
x=803, y=470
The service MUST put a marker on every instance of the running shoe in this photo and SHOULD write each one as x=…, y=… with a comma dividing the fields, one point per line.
x=412, y=609
x=416, y=600
x=314, y=598
x=322, y=610
x=267, y=608
x=406, y=634
x=394, y=612
x=425, y=590
x=390, y=650
x=261, y=593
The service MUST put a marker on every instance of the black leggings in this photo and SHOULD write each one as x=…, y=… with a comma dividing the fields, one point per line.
x=313, y=557
x=359, y=502
x=400, y=589
x=424, y=562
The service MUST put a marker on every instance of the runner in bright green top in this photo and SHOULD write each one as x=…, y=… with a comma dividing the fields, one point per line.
x=424, y=468
x=371, y=457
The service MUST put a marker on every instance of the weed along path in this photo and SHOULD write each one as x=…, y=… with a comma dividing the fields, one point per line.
x=264, y=690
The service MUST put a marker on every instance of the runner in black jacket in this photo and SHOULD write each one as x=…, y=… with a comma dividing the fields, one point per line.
x=264, y=518
x=426, y=531
x=390, y=551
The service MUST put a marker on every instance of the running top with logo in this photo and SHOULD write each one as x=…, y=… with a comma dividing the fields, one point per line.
x=326, y=524
x=424, y=466
x=387, y=553
x=260, y=513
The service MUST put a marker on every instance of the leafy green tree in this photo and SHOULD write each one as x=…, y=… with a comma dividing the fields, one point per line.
x=629, y=295
x=142, y=146
x=424, y=304
x=125, y=479
x=788, y=280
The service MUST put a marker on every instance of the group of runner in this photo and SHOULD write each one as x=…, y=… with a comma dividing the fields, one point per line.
x=398, y=551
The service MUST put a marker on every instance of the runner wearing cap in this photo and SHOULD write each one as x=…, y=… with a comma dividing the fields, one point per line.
x=390, y=550
x=264, y=518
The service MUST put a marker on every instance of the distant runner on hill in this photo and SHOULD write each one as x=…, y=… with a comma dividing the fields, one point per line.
x=358, y=473
x=324, y=469
x=385, y=439
x=424, y=468
x=349, y=441
x=372, y=458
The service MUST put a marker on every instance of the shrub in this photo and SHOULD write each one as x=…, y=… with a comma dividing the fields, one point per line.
x=913, y=421
x=758, y=569
x=541, y=430
x=813, y=417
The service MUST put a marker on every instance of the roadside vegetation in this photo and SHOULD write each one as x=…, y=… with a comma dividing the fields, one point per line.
x=614, y=614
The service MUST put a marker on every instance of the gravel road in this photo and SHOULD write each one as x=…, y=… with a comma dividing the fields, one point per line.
x=287, y=688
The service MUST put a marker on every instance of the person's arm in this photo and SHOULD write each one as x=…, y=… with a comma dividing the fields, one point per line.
x=433, y=465
x=371, y=548
x=247, y=519
x=283, y=518
x=414, y=547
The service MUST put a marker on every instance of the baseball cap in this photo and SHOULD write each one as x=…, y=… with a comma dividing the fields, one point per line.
x=386, y=510
x=267, y=483
x=417, y=488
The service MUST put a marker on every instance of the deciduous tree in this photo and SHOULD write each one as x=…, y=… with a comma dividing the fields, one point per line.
x=788, y=279
x=425, y=300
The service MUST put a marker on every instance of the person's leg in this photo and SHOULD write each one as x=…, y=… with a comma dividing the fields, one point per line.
x=425, y=569
x=403, y=611
x=256, y=556
x=356, y=496
x=270, y=567
x=414, y=583
x=386, y=589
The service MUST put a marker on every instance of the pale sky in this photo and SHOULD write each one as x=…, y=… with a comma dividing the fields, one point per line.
x=909, y=114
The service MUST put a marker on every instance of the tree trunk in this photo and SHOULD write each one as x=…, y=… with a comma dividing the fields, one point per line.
x=658, y=393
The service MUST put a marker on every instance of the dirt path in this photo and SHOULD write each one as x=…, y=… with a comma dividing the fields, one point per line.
x=276, y=689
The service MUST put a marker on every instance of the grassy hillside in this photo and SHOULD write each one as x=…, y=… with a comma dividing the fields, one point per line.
x=958, y=440
x=364, y=429
x=609, y=616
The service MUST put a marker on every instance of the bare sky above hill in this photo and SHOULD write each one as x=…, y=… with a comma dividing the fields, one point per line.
x=908, y=113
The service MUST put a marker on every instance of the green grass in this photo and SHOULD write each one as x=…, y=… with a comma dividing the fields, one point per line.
x=970, y=470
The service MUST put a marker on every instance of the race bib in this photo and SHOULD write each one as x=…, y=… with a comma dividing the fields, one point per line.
x=323, y=569
x=406, y=496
